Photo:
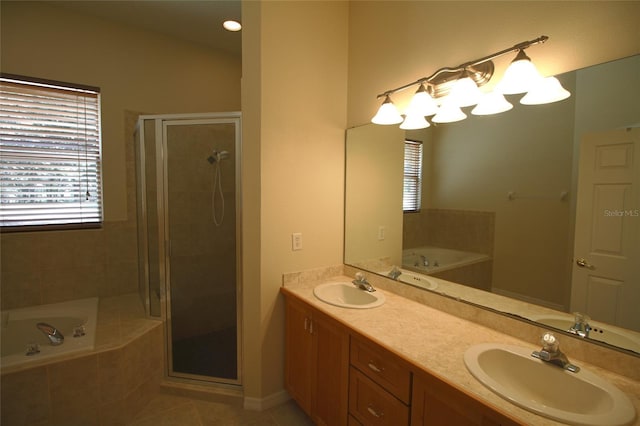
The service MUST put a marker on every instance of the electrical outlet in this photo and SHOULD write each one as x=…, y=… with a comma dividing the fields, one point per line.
x=296, y=241
x=381, y=233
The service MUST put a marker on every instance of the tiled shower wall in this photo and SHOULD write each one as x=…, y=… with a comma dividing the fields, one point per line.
x=454, y=229
x=203, y=255
x=53, y=266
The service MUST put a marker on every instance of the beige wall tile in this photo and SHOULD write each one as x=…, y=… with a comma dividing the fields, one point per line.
x=25, y=397
x=75, y=393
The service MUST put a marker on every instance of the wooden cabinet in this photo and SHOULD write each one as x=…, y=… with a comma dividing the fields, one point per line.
x=379, y=385
x=436, y=403
x=317, y=363
x=341, y=378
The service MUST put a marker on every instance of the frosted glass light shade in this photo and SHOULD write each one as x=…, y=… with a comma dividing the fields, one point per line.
x=387, y=113
x=464, y=93
x=491, y=103
x=449, y=113
x=422, y=103
x=545, y=91
x=519, y=77
x=413, y=122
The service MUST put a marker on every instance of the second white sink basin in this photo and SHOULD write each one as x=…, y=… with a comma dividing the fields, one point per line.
x=346, y=295
x=581, y=398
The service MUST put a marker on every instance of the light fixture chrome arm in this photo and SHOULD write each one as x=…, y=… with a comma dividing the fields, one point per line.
x=433, y=78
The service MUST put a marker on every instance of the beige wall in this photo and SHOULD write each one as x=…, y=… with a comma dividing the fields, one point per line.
x=294, y=106
x=393, y=43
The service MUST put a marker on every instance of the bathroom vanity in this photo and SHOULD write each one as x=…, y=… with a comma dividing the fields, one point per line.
x=397, y=364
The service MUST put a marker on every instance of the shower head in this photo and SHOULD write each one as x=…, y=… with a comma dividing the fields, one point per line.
x=218, y=156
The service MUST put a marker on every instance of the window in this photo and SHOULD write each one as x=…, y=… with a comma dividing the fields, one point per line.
x=412, y=188
x=50, y=165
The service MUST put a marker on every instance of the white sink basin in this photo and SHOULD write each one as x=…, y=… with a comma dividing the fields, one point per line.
x=346, y=295
x=581, y=398
x=601, y=332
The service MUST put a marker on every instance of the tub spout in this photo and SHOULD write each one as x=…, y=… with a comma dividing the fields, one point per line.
x=55, y=337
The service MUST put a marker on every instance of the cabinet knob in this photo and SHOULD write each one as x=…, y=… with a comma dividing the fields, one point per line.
x=308, y=325
x=374, y=367
x=375, y=413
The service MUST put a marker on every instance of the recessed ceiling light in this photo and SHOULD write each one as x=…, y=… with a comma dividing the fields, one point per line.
x=232, y=25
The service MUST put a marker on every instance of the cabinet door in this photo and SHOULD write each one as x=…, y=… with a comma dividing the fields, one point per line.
x=298, y=354
x=435, y=403
x=331, y=381
x=317, y=363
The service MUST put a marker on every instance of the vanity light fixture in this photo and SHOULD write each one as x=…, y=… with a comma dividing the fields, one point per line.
x=387, y=113
x=459, y=87
x=519, y=76
x=545, y=91
x=464, y=92
x=492, y=103
x=422, y=103
x=449, y=113
x=414, y=122
x=421, y=106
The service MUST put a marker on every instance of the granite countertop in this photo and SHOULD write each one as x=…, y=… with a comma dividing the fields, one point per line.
x=435, y=342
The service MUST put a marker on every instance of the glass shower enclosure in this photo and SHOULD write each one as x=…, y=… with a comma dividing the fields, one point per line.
x=188, y=192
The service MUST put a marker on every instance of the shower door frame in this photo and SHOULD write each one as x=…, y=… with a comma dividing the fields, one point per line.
x=161, y=122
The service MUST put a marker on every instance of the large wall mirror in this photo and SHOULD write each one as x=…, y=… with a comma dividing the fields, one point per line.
x=534, y=212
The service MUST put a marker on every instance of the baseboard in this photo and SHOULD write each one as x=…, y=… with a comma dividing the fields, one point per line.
x=260, y=404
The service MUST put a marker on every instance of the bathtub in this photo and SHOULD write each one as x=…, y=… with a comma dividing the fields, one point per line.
x=439, y=259
x=19, y=334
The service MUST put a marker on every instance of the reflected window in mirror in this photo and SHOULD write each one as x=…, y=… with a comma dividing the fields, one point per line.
x=412, y=184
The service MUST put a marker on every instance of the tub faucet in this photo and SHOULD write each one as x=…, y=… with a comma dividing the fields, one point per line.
x=55, y=337
x=425, y=261
x=362, y=283
x=552, y=354
x=581, y=325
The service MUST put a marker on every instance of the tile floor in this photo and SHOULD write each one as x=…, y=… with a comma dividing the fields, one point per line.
x=167, y=409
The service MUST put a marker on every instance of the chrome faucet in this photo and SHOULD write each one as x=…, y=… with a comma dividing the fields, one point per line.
x=425, y=261
x=581, y=325
x=552, y=354
x=55, y=337
x=362, y=283
x=394, y=273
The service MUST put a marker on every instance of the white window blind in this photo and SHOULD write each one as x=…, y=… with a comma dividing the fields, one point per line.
x=50, y=155
x=412, y=188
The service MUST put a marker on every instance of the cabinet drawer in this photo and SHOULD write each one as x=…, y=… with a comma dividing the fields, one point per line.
x=353, y=421
x=372, y=405
x=382, y=367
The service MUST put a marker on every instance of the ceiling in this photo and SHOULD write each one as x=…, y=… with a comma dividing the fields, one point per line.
x=190, y=20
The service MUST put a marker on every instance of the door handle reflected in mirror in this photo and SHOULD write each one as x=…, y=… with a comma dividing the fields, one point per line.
x=584, y=264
